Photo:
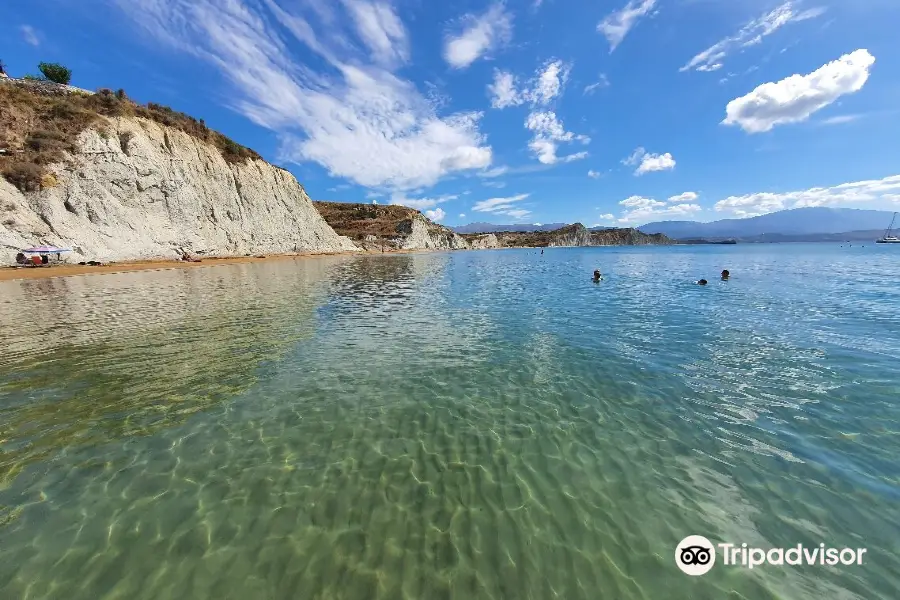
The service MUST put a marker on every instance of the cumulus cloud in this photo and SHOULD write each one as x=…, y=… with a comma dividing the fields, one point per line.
x=795, y=98
x=437, y=215
x=481, y=34
x=750, y=34
x=420, y=203
x=684, y=197
x=617, y=25
x=641, y=209
x=751, y=205
x=503, y=92
x=30, y=35
x=355, y=117
x=541, y=90
x=462, y=215
x=548, y=134
x=594, y=174
x=648, y=162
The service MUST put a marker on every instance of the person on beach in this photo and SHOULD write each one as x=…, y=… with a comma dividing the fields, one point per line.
x=725, y=275
x=702, y=282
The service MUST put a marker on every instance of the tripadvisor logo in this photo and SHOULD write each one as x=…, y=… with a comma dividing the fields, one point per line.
x=696, y=555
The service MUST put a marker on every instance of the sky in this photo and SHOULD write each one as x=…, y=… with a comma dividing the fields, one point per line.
x=604, y=112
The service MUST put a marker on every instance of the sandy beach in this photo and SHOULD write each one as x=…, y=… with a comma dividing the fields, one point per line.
x=69, y=270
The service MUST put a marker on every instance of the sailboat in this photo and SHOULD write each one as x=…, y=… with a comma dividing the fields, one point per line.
x=887, y=238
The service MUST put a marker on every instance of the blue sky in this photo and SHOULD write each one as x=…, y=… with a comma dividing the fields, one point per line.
x=612, y=112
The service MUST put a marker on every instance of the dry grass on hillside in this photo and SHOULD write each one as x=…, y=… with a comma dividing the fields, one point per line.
x=40, y=123
x=357, y=221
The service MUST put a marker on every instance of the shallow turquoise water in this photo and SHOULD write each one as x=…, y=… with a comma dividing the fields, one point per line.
x=463, y=425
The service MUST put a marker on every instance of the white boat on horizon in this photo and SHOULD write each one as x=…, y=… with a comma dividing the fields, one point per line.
x=887, y=238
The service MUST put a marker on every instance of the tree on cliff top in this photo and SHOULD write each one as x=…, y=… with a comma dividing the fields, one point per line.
x=2, y=67
x=56, y=73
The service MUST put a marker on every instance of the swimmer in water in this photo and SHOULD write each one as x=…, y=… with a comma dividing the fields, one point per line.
x=725, y=275
x=597, y=275
x=702, y=282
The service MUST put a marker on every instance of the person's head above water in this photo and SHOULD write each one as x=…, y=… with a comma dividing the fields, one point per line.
x=725, y=274
x=702, y=282
x=596, y=273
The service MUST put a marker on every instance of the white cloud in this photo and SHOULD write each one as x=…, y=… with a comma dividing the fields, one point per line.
x=381, y=30
x=541, y=90
x=340, y=187
x=684, y=197
x=617, y=25
x=841, y=119
x=355, y=117
x=503, y=206
x=548, y=134
x=437, y=215
x=648, y=162
x=503, y=91
x=795, y=98
x=605, y=217
x=751, y=205
x=462, y=215
x=602, y=82
x=550, y=82
x=30, y=35
x=494, y=184
x=481, y=34
x=518, y=213
x=594, y=174
x=640, y=209
x=750, y=34
x=420, y=203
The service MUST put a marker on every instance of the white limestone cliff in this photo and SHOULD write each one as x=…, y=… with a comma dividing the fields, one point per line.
x=139, y=190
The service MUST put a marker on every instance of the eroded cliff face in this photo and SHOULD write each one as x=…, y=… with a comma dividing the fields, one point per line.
x=426, y=235
x=139, y=190
x=483, y=242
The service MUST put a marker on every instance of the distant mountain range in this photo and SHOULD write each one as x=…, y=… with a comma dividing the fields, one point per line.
x=799, y=224
x=813, y=224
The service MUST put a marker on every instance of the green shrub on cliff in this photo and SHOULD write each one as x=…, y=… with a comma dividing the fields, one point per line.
x=56, y=73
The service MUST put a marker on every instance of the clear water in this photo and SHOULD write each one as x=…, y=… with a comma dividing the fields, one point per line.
x=466, y=425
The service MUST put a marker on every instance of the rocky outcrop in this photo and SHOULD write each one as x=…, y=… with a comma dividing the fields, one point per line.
x=570, y=235
x=136, y=190
x=375, y=227
x=483, y=242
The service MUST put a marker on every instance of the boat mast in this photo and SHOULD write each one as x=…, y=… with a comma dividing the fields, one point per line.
x=890, y=227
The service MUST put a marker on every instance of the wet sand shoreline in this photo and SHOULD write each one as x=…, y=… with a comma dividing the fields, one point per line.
x=70, y=270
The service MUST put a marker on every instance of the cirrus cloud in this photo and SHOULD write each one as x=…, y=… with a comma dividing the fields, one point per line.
x=797, y=97
x=750, y=34
x=616, y=25
x=355, y=117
